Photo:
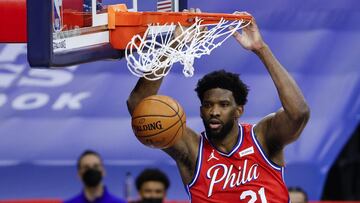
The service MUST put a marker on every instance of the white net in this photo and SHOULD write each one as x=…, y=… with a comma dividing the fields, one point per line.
x=152, y=55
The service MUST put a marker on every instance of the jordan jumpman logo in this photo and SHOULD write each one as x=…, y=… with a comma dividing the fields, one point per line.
x=212, y=156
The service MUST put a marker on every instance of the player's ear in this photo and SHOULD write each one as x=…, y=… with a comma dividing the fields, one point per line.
x=239, y=111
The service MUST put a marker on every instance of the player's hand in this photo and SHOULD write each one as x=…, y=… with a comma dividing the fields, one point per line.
x=180, y=29
x=250, y=37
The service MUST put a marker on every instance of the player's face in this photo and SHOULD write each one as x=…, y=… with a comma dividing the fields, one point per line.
x=152, y=190
x=219, y=112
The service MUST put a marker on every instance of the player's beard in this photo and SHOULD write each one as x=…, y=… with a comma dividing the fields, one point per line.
x=222, y=133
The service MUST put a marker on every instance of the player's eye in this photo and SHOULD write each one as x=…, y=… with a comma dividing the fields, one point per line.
x=225, y=104
x=206, y=105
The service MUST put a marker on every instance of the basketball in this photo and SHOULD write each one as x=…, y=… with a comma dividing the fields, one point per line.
x=158, y=121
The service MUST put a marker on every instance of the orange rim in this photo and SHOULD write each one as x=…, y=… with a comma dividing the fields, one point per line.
x=123, y=25
x=119, y=16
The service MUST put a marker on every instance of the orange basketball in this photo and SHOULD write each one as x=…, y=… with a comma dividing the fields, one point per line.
x=158, y=121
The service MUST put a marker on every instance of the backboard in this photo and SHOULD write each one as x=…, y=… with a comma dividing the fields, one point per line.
x=68, y=32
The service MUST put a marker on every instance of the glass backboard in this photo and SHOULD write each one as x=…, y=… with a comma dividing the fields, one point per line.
x=70, y=32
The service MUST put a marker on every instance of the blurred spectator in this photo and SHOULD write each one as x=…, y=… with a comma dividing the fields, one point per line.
x=297, y=195
x=152, y=185
x=91, y=172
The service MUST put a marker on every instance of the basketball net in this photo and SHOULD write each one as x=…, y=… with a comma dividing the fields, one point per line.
x=158, y=50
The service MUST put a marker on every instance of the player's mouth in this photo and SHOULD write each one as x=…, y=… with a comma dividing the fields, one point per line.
x=214, y=124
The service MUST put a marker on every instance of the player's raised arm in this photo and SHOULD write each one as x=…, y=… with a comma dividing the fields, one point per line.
x=144, y=87
x=284, y=126
x=185, y=150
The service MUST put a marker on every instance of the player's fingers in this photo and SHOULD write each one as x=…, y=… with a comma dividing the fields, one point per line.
x=244, y=13
x=231, y=28
x=204, y=28
x=237, y=35
x=192, y=10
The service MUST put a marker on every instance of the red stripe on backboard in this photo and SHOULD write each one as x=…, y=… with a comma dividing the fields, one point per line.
x=165, y=5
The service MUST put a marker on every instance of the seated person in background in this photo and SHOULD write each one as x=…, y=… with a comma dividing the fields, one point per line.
x=91, y=171
x=297, y=195
x=152, y=185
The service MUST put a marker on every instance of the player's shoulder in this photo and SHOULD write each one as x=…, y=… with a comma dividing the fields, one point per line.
x=191, y=134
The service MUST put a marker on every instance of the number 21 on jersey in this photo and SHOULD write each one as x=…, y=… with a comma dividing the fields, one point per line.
x=253, y=196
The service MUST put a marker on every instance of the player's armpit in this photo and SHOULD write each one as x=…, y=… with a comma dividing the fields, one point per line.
x=280, y=129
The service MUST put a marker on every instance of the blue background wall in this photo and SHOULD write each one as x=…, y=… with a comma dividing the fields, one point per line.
x=47, y=118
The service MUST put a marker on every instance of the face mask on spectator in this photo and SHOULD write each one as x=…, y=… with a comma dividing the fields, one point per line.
x=92, y=177
x=152, y=200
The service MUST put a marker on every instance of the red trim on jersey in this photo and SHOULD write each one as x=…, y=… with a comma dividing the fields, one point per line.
x=271, y=163
x=236, y=146
x=198, y=161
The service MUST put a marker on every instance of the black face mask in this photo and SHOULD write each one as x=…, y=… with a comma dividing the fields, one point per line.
x=152, y=200
x=92, y=177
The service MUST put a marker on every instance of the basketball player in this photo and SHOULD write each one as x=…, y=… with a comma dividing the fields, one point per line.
x=232, y=162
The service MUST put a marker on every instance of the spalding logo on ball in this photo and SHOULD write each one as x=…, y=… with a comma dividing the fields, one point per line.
x=158, y=121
